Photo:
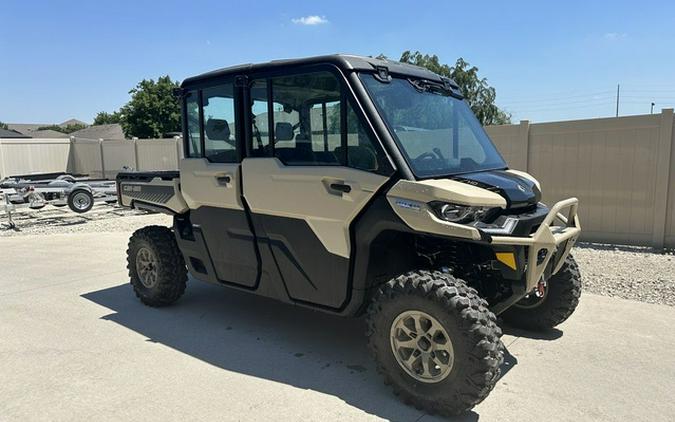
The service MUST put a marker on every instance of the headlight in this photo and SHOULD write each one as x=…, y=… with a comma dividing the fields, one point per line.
x=456, y=213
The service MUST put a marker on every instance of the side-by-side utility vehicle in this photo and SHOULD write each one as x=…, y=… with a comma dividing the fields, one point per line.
x=359, y=186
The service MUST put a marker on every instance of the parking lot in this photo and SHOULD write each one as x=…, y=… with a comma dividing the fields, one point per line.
x=76, y=344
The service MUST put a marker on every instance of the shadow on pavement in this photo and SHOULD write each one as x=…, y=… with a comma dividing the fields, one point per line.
x=552, y=334
x=267, y=339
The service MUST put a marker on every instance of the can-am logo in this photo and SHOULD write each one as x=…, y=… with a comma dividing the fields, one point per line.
x=131, y=188
x=414, y=206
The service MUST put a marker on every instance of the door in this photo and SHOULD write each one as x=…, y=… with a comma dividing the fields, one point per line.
x=307, y=179
x=210, y=183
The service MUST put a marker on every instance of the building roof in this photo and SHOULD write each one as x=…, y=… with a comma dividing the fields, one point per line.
x=8, y=133
x=31, y=128
x=343, y=61
x=48, y=133
x=26, y=128
x=111, y=131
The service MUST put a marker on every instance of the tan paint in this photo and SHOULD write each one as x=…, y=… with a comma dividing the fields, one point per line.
x=410, y=199
x=419, y=217
x=200, y=185
x=304, y=192
x=176, y=204
x=448, y=191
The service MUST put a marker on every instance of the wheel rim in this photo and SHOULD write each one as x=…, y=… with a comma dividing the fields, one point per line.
x=81, y=201
x=422, y=346
x=146, y=267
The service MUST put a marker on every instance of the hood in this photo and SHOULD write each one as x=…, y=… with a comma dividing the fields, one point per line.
x=517, y=190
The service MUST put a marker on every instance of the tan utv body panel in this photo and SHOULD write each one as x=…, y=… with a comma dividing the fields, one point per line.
x=410, y=199
x=303, y=192
x=202, y=184
x=172, y=200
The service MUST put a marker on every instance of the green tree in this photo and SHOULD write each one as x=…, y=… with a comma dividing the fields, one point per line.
x=4, y=126
x=153, y=109
x=105, y=118
x=478, y=93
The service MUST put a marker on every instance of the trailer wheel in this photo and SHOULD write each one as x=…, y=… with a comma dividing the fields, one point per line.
x=435, y=341
x=156, y=267
x=80, y=201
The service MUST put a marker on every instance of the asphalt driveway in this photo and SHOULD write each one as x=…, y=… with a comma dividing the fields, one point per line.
x=75, y=344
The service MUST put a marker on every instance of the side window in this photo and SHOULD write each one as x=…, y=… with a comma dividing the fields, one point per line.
x=325, y=122
x=307, y=119
x=220, y=144
x=194, y=146
x=361, y=151
x=260, y=146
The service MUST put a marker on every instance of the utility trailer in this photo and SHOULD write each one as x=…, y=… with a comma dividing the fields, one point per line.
x=359, y=186
x=77, y=191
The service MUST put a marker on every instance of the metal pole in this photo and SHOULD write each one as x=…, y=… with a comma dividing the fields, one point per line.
x=618, y=87
x=652, y=109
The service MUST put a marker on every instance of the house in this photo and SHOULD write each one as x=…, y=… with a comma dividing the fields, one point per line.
x=111, y=131
x=33, y=129
x=48, y=133
x=11, y=134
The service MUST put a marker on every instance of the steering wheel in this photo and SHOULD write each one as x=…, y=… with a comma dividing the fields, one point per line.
x=426, y=156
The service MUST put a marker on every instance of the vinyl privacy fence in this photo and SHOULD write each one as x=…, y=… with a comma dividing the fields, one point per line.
x=621, y=169
x=97, y=158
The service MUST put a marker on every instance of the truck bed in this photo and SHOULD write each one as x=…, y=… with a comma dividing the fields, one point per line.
x=151, y=190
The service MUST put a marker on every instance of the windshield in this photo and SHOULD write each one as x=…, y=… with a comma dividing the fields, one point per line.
x=438, y=134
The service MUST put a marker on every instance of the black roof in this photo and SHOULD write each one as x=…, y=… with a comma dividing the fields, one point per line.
x=343, y=61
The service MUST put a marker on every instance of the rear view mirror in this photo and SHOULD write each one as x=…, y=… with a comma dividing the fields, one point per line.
x=283, y=131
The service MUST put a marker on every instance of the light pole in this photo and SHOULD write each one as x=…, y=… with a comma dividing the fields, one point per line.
x=652, y=109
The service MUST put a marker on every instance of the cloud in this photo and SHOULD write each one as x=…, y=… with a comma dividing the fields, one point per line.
x=310, y=20
x=614, y=36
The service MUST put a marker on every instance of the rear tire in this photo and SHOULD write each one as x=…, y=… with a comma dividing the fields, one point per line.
x=156, y=267
x=563, y=290
x=437, y=299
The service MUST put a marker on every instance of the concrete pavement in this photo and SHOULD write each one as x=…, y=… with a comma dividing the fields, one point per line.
x=75, y=344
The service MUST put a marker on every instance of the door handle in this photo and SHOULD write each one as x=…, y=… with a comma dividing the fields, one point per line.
x=341, y=187
x=223, y=180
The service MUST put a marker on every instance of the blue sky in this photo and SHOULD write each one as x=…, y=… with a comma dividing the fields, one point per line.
x=547, y=60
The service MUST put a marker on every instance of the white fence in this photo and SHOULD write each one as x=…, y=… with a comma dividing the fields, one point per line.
x=97, y=158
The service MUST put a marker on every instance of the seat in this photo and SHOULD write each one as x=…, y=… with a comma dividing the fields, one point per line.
x=359, y=157
x=217, y=130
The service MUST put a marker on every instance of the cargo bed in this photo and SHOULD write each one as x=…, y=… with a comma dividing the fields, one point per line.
x=157, y=191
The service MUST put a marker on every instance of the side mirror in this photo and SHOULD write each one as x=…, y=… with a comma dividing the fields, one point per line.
x=283, y=131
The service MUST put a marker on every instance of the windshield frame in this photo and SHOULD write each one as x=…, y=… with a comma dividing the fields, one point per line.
x=402, y=150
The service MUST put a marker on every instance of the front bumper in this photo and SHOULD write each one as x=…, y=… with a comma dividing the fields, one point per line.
x=549, y=244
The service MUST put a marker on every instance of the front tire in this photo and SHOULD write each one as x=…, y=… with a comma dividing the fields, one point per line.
x=435, y=341
x=156, y=267
x=560, y=299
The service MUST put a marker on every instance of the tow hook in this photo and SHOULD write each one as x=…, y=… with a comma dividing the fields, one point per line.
x=541, y=288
